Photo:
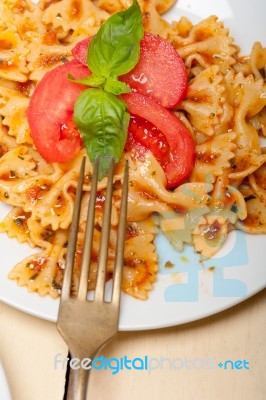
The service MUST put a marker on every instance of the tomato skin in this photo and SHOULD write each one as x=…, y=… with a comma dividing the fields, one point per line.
x=79, y=52
x=159, y=74
x=50, y=113
x=182, y=147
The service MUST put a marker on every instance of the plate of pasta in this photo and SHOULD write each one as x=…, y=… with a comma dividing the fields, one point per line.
x=191, y=250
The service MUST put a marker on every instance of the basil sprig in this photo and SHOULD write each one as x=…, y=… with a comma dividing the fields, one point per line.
x=99, y=113
x=115, y=49
x=102, y=120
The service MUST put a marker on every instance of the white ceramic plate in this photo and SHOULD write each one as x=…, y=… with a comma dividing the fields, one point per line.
x=190, y=290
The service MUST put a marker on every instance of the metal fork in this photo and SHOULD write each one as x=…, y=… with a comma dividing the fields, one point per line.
x=87, y=325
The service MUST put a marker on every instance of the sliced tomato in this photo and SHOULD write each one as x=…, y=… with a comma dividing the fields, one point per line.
x=145, y=133
x=159, y=74
x=80, y=51
x=181, y=157
x=50, y=113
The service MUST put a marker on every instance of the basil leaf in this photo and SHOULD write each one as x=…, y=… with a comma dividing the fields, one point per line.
x=91, y=80
x=115, y=50
x=99, y=113
x=113, y=85
x=103, y=121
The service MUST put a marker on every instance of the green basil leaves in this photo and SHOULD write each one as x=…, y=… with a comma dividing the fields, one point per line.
x=115, y=49
x=99, y=113
x=102, y=120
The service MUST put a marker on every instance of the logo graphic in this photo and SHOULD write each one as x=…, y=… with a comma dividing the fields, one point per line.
x=177, y=230
x=145, y=363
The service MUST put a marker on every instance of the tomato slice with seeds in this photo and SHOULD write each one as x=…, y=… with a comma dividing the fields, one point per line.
x=181, y=158
x=159, y=74
x=50, y=113
x=145, y=133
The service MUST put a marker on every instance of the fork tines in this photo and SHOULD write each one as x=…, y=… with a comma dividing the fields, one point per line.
x=88, y=237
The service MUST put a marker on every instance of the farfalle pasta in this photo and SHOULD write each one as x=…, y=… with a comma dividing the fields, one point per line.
x=224, y=109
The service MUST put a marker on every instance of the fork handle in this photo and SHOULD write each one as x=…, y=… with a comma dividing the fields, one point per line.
x=78, y=383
